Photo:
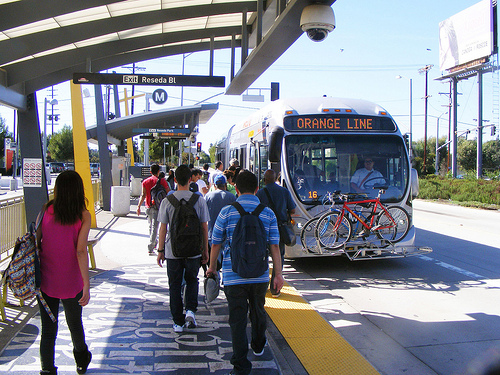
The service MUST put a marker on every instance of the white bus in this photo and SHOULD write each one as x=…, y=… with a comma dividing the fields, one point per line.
x=316, y=145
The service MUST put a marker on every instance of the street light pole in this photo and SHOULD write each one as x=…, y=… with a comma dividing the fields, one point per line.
x=436, y=166
x=425, y=70
x=410, y=114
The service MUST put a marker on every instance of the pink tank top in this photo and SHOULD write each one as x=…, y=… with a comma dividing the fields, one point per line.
x=61, y=277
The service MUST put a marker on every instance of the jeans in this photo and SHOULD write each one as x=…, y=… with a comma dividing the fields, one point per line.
x=152, y=214
x=177, y=270
x=73, y=312
x=241, y=299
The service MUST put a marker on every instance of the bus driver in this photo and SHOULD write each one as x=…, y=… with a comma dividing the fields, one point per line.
x=366, y=175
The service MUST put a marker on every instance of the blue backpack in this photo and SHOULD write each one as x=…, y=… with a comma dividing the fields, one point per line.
x=249, y=254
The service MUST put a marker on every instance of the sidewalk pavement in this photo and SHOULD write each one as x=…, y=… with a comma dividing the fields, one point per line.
x=128, y=324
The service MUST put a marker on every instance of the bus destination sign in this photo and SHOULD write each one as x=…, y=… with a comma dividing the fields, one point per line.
x=347, y=123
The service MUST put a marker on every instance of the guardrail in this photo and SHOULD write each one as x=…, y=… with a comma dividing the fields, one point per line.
x=13, y=219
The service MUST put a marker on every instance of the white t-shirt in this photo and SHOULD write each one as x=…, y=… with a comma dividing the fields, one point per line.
x=212, y=176
x=359, y=178
x=201, y=185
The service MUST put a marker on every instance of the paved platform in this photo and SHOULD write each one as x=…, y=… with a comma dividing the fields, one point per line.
x=129, y=327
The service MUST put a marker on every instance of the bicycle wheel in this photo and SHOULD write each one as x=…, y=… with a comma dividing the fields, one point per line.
x=333, y=232
x=308, y=236
x=394, y=228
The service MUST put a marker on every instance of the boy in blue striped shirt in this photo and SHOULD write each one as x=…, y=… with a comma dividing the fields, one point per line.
x=245, y=294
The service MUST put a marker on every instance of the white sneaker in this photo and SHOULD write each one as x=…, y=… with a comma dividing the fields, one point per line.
x=258, y=354
x=178, y=328
x=190, y=320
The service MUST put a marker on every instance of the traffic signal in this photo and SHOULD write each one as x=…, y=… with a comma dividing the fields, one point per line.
x=493, y=130
x=198, y=147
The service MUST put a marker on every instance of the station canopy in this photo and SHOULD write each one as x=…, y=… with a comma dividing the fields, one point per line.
x=43, y=42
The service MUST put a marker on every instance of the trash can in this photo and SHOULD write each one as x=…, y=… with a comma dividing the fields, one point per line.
x=135, y=187
x=120, y=200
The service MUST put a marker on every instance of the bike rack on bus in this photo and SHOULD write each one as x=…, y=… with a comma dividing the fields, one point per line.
x=368, y=250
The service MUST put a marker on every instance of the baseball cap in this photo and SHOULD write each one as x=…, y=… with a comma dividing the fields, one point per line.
x=220, y=179
x=211, y=286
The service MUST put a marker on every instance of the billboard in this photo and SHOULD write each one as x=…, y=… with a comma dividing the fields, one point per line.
x=466, y=36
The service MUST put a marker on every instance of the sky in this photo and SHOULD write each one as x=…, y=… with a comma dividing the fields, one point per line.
x=373, y=42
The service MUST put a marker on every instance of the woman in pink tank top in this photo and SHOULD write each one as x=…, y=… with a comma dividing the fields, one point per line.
x=64, y=268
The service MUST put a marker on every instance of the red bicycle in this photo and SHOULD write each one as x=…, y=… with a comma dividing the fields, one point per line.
x=334, y=229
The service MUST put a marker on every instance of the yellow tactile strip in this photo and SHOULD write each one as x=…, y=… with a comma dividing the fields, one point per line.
x=313, y=340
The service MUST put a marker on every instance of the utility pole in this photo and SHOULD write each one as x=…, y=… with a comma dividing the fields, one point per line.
x=133, y=68
x=425, y=70
x=448, y=94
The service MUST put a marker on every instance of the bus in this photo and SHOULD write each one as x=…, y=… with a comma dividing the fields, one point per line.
x=316, y=145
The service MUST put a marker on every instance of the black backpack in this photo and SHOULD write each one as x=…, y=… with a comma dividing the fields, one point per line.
x=249, y=255
x=158, y=192
x=205, y=176
x=185, y=228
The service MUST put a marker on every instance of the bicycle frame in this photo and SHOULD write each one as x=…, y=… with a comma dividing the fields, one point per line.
x=375, y=202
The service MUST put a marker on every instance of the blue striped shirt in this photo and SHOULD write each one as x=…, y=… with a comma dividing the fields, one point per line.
x=224, y=228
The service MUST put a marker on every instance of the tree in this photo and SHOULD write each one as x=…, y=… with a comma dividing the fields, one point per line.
x=204, y=158
x=93, y=155
x=4, y=133
x=61, y=145
x=418, y=156
x=467, y=154
x=491, y=155
x=211, y=151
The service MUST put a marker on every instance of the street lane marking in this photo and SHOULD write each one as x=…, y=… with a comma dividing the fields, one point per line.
x=453, y=268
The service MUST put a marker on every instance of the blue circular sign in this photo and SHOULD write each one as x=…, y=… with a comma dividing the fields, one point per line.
x=159, y=96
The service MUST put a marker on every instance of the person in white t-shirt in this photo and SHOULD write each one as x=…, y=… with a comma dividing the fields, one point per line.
x=196, y=177
x=364, y=178
x=219, y=168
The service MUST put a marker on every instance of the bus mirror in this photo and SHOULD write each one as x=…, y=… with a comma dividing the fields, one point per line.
x=414, y=183
x=275, y=144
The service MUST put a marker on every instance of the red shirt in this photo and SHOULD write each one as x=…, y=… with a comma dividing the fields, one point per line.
x=148, y=183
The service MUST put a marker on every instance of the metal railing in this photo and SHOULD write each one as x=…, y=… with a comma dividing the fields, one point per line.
x=13, y=219
x=12, y=223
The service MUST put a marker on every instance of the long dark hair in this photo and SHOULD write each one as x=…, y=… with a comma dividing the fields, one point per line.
x=69, y=198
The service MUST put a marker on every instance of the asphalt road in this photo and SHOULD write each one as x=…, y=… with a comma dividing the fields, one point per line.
x=432, y=314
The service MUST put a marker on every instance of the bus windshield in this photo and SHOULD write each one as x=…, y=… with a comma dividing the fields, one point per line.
x=319, y=164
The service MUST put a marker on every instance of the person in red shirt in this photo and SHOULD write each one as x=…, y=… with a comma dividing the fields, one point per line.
x=151, y=211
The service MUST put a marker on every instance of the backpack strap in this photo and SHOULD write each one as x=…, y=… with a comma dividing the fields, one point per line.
x=194, y=198
x=240, y=209
x=242, y=212
x=258, y=209
x=173, y=201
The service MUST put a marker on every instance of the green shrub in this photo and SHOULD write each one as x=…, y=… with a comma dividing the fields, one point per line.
x=468, y=191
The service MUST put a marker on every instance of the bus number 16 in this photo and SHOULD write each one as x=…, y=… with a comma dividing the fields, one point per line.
x=313, y=194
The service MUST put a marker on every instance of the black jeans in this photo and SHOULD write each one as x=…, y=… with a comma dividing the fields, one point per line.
x=241, y=299
x=177, y=270
x=73, y=312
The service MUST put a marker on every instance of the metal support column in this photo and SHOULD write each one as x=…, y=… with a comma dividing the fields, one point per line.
x=104, y=157
x=454, y=143
x=233, y=54
x=30, y=145
x=244, y=37
x=212, y=48
x=480, y=125
x=260, y=11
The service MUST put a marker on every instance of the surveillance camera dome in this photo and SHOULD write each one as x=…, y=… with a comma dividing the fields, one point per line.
x=317, y=21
